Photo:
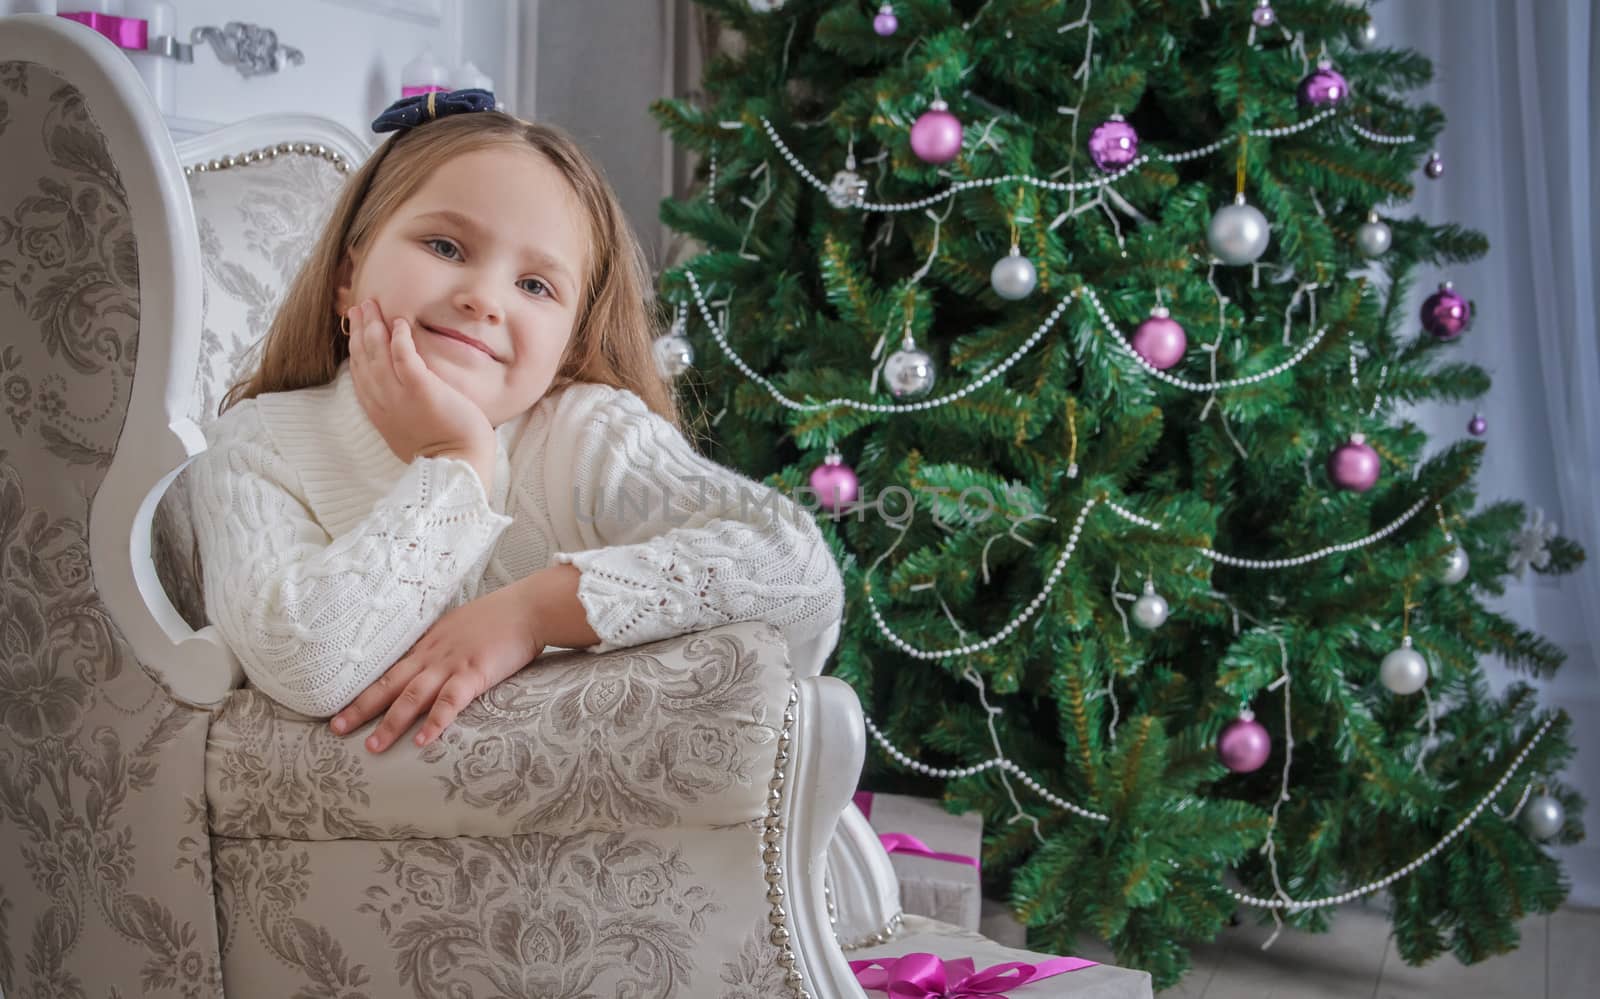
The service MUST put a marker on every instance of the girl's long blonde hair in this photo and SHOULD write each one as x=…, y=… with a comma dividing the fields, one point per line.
x=613, y=335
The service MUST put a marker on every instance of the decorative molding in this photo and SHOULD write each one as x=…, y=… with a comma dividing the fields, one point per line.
x=264, y=135
x=252, y=49
x=428, y=13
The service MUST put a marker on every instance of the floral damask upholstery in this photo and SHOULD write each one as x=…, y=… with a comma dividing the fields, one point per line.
x=105, y=858
x=598, y=825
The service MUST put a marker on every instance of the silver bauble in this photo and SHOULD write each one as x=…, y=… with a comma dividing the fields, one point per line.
x=908, y=372
x=847, y=189
x=1455, y=566
x=1366, y=36
x=1404, y=671
x=1150, y=610
x=1543, y=817
x=1238, y=233
x=1013, y=276
x=1373, y=239
x=674, y=354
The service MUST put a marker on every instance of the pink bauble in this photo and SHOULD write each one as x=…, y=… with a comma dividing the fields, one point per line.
x=1160, y=341
x=1445, y=313
x=1113, y=145
x=1323, y=87
x=936, y=137
x=1244, y=744
x=835, y=484
x=885, y=24
x=1354, y=465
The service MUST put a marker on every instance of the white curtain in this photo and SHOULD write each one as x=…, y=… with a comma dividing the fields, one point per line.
x=1521, y=96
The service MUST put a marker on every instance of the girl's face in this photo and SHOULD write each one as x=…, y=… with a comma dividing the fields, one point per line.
x=492, y=248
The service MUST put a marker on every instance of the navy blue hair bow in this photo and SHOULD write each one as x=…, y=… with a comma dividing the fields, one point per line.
x=409, y=112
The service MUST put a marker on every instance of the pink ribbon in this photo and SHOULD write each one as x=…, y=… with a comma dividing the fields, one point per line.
x=905, y=842
x=128, y=32
x=910, y=845
x=414, y=91
x=925, y=976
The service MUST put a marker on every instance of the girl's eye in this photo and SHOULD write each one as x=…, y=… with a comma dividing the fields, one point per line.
x=435, y=241
x=543, y=289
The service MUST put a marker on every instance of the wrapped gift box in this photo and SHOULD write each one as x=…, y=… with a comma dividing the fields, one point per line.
x=942, y=889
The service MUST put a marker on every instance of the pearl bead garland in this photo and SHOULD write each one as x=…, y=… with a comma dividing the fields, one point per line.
x=1004, y=764
x=1072, y=545
x=1427, y=855
x=1289, y=563
x=999, y=369
x=1293, y=905
x=1054, y=185
x=1012, y=625
x=1260, y=376
x=871, y=407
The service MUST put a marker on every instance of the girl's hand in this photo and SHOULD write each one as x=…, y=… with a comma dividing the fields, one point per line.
x=467, y=651
x=417, y=412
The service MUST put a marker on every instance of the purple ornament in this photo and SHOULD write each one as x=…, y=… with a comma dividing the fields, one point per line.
x=835, y=483
x=1113, y=144
x=936, y=136
x=1434, y=168
x=1477, y=426
x=885, y=24
x=1354, y=465
x=1160, y=340
x=1445, y=314
x=1263, y=16
x=1244, y=744
x=1323, y=87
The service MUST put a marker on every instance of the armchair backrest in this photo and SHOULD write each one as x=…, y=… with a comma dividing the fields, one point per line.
x=261, y=190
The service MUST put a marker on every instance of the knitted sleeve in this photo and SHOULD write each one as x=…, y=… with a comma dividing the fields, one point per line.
x=315, y=620
x=683, y=544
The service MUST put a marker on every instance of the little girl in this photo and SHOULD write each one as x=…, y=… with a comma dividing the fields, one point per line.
x=457, y=450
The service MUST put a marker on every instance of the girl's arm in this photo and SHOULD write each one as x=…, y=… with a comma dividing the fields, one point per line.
x=313, y=619
x=676, y=543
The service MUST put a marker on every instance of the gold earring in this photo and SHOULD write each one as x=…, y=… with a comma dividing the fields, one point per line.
x=344, y=325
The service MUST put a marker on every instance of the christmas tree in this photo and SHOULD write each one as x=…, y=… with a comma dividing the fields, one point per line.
x=1086, y=323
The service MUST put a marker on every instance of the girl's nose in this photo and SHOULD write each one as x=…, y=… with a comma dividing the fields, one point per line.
x=472, y=298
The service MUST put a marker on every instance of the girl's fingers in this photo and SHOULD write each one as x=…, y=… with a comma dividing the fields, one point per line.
x=403, y=354
x=418, y=697
x=459, y=692
x=379, y=695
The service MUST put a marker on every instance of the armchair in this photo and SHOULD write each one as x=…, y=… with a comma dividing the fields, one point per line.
x=666, y=820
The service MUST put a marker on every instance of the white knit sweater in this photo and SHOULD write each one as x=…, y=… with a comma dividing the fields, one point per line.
x=326, y=558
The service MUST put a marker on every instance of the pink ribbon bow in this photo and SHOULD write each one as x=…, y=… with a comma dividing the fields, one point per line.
x=925, y=976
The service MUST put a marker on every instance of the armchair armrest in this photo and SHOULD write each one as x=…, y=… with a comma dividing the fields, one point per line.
x=677, y=733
